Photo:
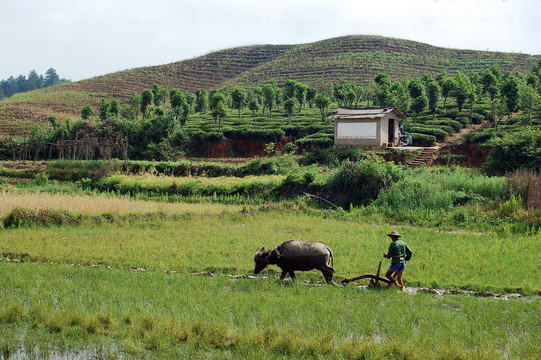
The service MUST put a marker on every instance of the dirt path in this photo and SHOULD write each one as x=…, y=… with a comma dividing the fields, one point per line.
x=456, y=138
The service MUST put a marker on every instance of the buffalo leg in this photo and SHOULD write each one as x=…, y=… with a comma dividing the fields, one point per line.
x=283, y=275
x=292, y=274
x=328, y=274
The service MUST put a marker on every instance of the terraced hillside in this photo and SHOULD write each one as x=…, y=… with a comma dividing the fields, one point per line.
x=356, y=58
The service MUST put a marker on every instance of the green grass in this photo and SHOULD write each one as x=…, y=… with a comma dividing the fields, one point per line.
x=226, y=243
x=78, y=289
x=167, y=316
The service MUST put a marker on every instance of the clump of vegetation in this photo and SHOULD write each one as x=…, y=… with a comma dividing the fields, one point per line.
x=22, y=217
x=361, y=182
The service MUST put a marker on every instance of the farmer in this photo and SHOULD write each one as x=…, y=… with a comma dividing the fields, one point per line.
x=399, y=253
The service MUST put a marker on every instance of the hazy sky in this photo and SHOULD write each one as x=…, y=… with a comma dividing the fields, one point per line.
x=86, y=38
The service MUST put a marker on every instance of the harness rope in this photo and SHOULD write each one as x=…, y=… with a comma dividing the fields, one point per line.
x=338, y=207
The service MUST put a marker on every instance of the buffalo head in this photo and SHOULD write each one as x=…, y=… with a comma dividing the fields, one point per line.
x=261, y=259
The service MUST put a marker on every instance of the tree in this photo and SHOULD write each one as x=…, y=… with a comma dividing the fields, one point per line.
x=400, y=94
x=528, y=99
x=146, y=100
x=350, y=97
x=114, y=107
x=382, y=79
x=34, y=81
x=257, y=93
x=277, y=97
x=340, y=90
x=461, y=89
x=268, y=98
x=310, y=95
x=253, y=105
x=52, y=121
x=190, y=99
x=433, y=90
x=416, y=88
x=210, y=96
x=533, y=80
x=87, y=112
x=200, y=101
x=360, y=93
x=219, y=107
x=159, y=95
x=177, y=99
x=289, y=89
x=104, y=107
x=180, y=108
x=322, y=102
x=289, y=105
x=447, y=87
x=510, y=89
x=382, y=95
x=238, y=98
x=418, y=105
x=51, y=78
x=472, y=97
x=300, y=93
x=135, y=104
x=489, y=81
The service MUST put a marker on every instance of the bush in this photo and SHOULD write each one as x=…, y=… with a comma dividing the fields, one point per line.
x=521, y=149
x=454, y=125
x=423, y=139
x=361, y=182
x=21, y=217
x=437, y=133
x=266, y=135
x=320, y=140
x=41, y=179
x=74, y=170
x=463, y=120
x=320, y=156
x=477, y=118
x=351, y=154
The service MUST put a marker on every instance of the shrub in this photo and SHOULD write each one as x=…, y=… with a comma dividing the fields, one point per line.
x=422, y=139
x=267, y=135
x=41, y=179
x=21, y=217
x=320, y=156
x=477, y=118
x=361, y=182
x=521, y=149
x=454, y=125
x=437, y=133
x=351, y=154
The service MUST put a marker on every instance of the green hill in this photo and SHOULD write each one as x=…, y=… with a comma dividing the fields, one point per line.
x=355, y=58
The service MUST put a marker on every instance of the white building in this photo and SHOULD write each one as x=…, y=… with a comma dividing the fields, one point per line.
x=367, y=127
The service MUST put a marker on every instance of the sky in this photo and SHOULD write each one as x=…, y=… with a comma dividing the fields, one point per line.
x=86, y=38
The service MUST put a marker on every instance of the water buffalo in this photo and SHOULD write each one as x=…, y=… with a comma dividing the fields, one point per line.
x=297, y=255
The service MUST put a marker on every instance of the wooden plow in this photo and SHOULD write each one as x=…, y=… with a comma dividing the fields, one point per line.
x=374, y=278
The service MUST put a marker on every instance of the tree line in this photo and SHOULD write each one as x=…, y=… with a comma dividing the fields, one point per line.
x=20, y=84
x=507, y=92
x=153, y=121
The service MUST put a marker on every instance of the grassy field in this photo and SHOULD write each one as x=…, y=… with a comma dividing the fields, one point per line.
x=84, y=289
x=113, y=312
x=96, y=273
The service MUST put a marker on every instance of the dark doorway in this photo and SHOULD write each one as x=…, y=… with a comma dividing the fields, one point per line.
x=391, y=132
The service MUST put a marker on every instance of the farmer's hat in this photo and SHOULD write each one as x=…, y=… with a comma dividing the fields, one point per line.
x=394, y=233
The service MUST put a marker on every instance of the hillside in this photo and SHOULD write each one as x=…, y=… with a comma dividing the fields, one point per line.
x=355, y=58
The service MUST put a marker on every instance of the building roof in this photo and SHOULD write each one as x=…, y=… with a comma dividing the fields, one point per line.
x=347, y=113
